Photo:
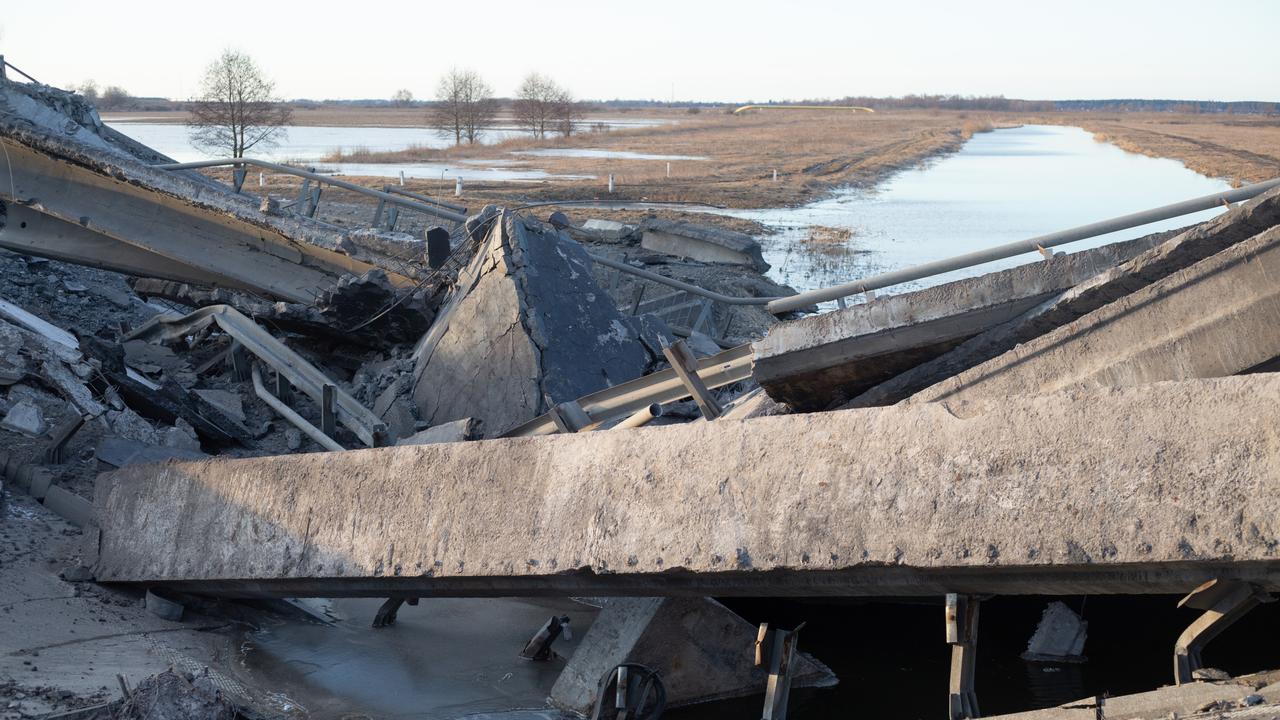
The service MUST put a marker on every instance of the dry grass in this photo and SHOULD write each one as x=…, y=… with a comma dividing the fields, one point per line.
x=829, y=240
x=811, y=153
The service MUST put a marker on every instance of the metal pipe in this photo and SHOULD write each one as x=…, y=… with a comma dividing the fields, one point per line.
x=655, y=277
x=425, y=199
x=640, y=417
x=731, y=366
x=327, y=179
x=289, y=414
x=999, y=252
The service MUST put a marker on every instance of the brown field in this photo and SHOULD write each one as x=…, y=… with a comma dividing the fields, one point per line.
x=811, y=151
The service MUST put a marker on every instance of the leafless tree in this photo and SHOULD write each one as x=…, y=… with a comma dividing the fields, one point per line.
x=88, y=90
x=237, y=109
x=113, y=98
x=536, y=103
x=402, y=98
x=567, y=112
x=465, y=106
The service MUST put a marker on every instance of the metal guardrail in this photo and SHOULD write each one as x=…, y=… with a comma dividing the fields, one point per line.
x=732, y=365
x=1038, y=243
x=779, y=305
x=313, y=197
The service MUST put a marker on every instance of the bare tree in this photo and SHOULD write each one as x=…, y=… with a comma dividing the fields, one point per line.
x=237, y=109
x=114, y=98
x=402, y=98
x=88, y=90
x=567, y=112
x=535, y=104
x=465, y=106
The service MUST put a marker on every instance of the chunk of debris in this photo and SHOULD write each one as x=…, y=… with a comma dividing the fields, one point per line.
x=609, y=230
x=122, y=452
x=230, y=403
x=527, y=327
x=702, y=242
x=1059, y=637
x=701, y=648
x=25, y=417
x=170, y=696
x=456, y=431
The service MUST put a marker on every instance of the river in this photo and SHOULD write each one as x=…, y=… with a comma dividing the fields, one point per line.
x=1001, y=186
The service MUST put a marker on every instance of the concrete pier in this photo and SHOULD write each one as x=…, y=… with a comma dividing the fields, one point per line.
x=1055, y=494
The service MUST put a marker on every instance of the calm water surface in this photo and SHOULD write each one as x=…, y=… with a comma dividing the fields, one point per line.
x=1000, y=187
x=310, y=143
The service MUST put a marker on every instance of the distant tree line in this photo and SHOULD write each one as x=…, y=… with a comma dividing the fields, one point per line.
x=465, y=107
x=112, y=97
x=999, y=103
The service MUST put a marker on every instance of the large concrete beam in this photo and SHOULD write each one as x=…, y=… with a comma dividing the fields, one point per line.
x=256, y=255
x=29, y=232
x=1153, y=489
x=822, y=360
x=1186, y=249
x=104, y=191
x=1221, y=316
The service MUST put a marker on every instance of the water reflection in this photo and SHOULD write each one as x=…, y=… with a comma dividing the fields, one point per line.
x=1000, y=187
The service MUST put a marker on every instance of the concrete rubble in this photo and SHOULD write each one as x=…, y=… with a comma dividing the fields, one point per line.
x=701, y=242
x=526, y=328
x=1015, y=433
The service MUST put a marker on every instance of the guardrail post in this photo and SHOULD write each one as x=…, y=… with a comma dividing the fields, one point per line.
x=685, y=366
x=962, y=635
x=328, y=419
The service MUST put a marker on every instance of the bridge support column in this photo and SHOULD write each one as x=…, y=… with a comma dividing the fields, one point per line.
x=1223, y=602
x=962, y=635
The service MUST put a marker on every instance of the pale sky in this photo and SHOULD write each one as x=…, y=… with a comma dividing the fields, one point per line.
x=654, y=49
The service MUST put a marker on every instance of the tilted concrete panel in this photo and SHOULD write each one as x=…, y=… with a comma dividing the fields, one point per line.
x=1221, y=316
x=1186, y=249
x=1150, y=489
x=526, y=327
x=816, y=362
x=702, y=649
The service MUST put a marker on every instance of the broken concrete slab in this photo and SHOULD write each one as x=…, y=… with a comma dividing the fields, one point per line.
x=1185, y=249
x=25, y=418
x=1037, y=496
x=526, y=328
x=1059, y=637
x=702, y=242
x=85, y=197
x=819, y=361
x=456, y=431
x=610, y=230
x=702, y=650
x=1214, y=318
x=122, y=452
x=228, y=402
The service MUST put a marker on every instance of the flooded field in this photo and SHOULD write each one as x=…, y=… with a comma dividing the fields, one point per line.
x=603, y=154
x=1002, y=186
x=306, y=143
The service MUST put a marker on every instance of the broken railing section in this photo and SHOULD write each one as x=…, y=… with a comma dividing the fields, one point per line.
x=1223, y=602
x=336, y=405
x=664, y=386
